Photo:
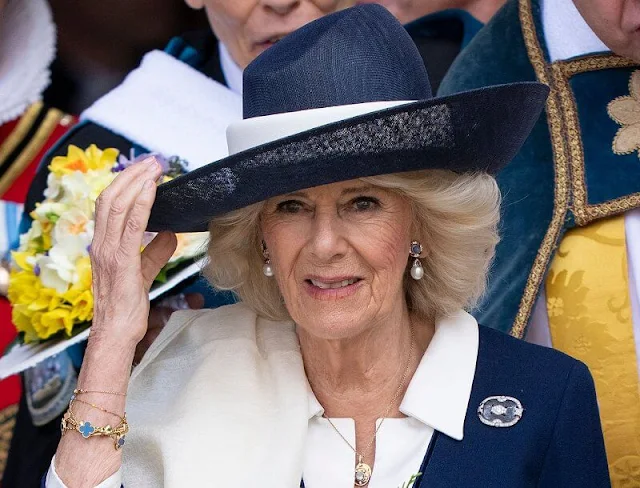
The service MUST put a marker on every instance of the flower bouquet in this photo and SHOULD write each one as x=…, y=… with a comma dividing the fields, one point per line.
x=50, y=280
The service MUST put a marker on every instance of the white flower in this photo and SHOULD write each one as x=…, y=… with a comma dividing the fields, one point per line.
x=74, y=222
x=75, y=187
x=47, y=209
x=33, y=233
x=53, y=187
x=58, y=269
x=98, y=180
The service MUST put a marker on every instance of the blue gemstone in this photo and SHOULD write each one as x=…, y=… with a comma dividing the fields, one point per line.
x=415, y=249
x=86, y=429
x=120, y=442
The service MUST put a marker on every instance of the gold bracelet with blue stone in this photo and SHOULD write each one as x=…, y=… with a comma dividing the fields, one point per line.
x=87, y=429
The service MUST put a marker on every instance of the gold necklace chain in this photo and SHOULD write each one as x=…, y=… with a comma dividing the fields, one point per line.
x=386, y=412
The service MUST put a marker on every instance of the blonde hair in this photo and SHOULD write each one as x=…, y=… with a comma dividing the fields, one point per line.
x=455, y=217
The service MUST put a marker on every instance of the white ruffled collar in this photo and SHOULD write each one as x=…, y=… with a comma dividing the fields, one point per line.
x=27, y=48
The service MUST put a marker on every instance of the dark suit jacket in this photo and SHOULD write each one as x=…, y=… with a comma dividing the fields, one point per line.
x=558, y=441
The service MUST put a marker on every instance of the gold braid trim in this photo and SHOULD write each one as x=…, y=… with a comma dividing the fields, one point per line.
x=24, y=125
x=561, y=169
x=7, y=423
x=26, y=157
x=563, y=71
x=594, y=63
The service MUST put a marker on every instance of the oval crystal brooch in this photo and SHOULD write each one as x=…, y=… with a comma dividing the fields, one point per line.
x=500, y=411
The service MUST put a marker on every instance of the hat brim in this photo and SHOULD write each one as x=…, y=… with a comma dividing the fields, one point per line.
x=473, y=131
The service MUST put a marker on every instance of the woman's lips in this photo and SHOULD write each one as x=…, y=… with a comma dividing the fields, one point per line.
x=331, y=289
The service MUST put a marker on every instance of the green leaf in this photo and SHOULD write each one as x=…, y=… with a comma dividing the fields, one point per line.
x=52, y=217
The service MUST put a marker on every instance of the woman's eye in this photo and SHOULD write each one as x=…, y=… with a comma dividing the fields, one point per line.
x=289, y=206
x=362, y=204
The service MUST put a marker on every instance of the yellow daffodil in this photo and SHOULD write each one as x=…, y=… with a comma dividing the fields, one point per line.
x=48, y=300
x=24, y=287
x=24, y=260
x=82, y=305
x=83, y=270
x=53, y=322
x=83, y=161
x=24, y=322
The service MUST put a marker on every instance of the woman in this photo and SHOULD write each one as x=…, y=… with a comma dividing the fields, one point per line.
x=356, y=218
x=169, y=128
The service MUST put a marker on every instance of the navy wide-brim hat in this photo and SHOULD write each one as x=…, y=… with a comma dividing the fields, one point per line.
x=344, y=97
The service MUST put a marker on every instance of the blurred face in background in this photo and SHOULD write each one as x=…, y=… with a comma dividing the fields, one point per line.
x=407, y=10
x=248, y=27
x=615, y=22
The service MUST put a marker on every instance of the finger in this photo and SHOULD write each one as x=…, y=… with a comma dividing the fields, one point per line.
x=122, y=204
x=156, y=255
x=195, y=300
x=136, y=220
x=103, y=203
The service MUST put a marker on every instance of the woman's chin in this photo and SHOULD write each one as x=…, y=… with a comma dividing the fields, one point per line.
x=333, y=316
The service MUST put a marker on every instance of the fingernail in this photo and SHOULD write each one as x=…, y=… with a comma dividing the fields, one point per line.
x=152, y=163
x=148, y=185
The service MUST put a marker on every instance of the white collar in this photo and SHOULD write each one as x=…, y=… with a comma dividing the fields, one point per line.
x=27, y=48
x=566, y=32
x=232, y=72
x=438, y=394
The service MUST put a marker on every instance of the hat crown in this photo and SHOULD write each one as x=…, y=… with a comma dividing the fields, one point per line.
x=361, y=54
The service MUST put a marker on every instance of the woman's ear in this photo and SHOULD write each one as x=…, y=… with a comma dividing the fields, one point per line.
x=195, y=4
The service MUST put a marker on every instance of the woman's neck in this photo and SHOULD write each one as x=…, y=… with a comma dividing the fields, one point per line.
x=359, y=376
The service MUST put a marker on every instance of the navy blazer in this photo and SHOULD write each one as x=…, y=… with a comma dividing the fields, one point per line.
x=558, y=441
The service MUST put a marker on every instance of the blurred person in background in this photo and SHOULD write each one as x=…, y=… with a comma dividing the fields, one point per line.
x=409, y=10
x=165, y=106
x=441, y=28
x=98, y=43
x=28, y=128
x=567, y=269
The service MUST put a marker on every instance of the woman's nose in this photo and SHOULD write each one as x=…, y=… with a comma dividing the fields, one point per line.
x=282, y=7
x=327, y=240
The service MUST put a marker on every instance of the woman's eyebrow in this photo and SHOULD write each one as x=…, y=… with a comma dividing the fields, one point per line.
x=357, y=189
x=346, y=191
x=301, y=194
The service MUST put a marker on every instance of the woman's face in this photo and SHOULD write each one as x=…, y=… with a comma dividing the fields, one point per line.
x=615, y=22
x=339, y=253
x=248, y=27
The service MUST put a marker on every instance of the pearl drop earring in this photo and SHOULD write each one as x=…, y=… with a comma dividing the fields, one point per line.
x=417, y=271
x=267, y=270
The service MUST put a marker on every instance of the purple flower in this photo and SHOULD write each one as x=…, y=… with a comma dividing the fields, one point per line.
x=124, y=162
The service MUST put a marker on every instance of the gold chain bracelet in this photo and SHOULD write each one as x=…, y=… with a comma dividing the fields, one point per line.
x=87, y=430
x=80, y=391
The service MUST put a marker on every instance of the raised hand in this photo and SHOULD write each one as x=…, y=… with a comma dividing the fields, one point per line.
x=122, y=275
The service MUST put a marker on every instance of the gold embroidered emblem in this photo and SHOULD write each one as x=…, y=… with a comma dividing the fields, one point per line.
x=626, y=112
